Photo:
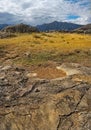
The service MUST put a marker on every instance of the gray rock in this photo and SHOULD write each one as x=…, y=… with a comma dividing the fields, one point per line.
x=28, y=103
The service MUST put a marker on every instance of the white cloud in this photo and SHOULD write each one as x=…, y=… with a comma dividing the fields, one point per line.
x=43, y=11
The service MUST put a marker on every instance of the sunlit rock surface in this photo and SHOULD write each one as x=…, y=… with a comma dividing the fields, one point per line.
x=30, y=103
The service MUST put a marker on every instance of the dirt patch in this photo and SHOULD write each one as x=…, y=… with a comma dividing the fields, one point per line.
x=49, y=72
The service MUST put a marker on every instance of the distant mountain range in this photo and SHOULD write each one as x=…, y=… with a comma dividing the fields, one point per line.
x=58, y=26
x=3, y=25
x=54, y=26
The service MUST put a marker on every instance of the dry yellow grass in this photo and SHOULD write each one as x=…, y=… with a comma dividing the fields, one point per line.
x=41, y=47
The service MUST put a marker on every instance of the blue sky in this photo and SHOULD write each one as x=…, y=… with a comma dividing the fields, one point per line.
x=72, y=17
x=45, y=11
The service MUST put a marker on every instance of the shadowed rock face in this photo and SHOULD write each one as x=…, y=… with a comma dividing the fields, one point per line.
x=39, y=104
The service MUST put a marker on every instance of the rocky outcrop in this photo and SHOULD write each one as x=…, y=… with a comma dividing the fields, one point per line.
x=28, y=103
x=6, y=35
x=86, y=29
x=19, y=28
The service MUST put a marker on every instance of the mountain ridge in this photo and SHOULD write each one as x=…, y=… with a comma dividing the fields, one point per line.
x=3, y=25
x=58, y=26
x=47, y=27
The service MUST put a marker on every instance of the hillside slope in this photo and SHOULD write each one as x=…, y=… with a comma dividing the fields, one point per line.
x=20, y=28
x=84, y=29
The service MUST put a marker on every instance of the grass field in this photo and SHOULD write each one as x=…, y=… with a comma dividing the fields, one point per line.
x=42, y=48
x=40, y=53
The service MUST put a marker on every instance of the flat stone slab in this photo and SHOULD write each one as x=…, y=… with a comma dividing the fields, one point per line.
x=28, y=103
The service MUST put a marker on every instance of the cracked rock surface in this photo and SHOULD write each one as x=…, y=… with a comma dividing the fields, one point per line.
x=28, y=103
